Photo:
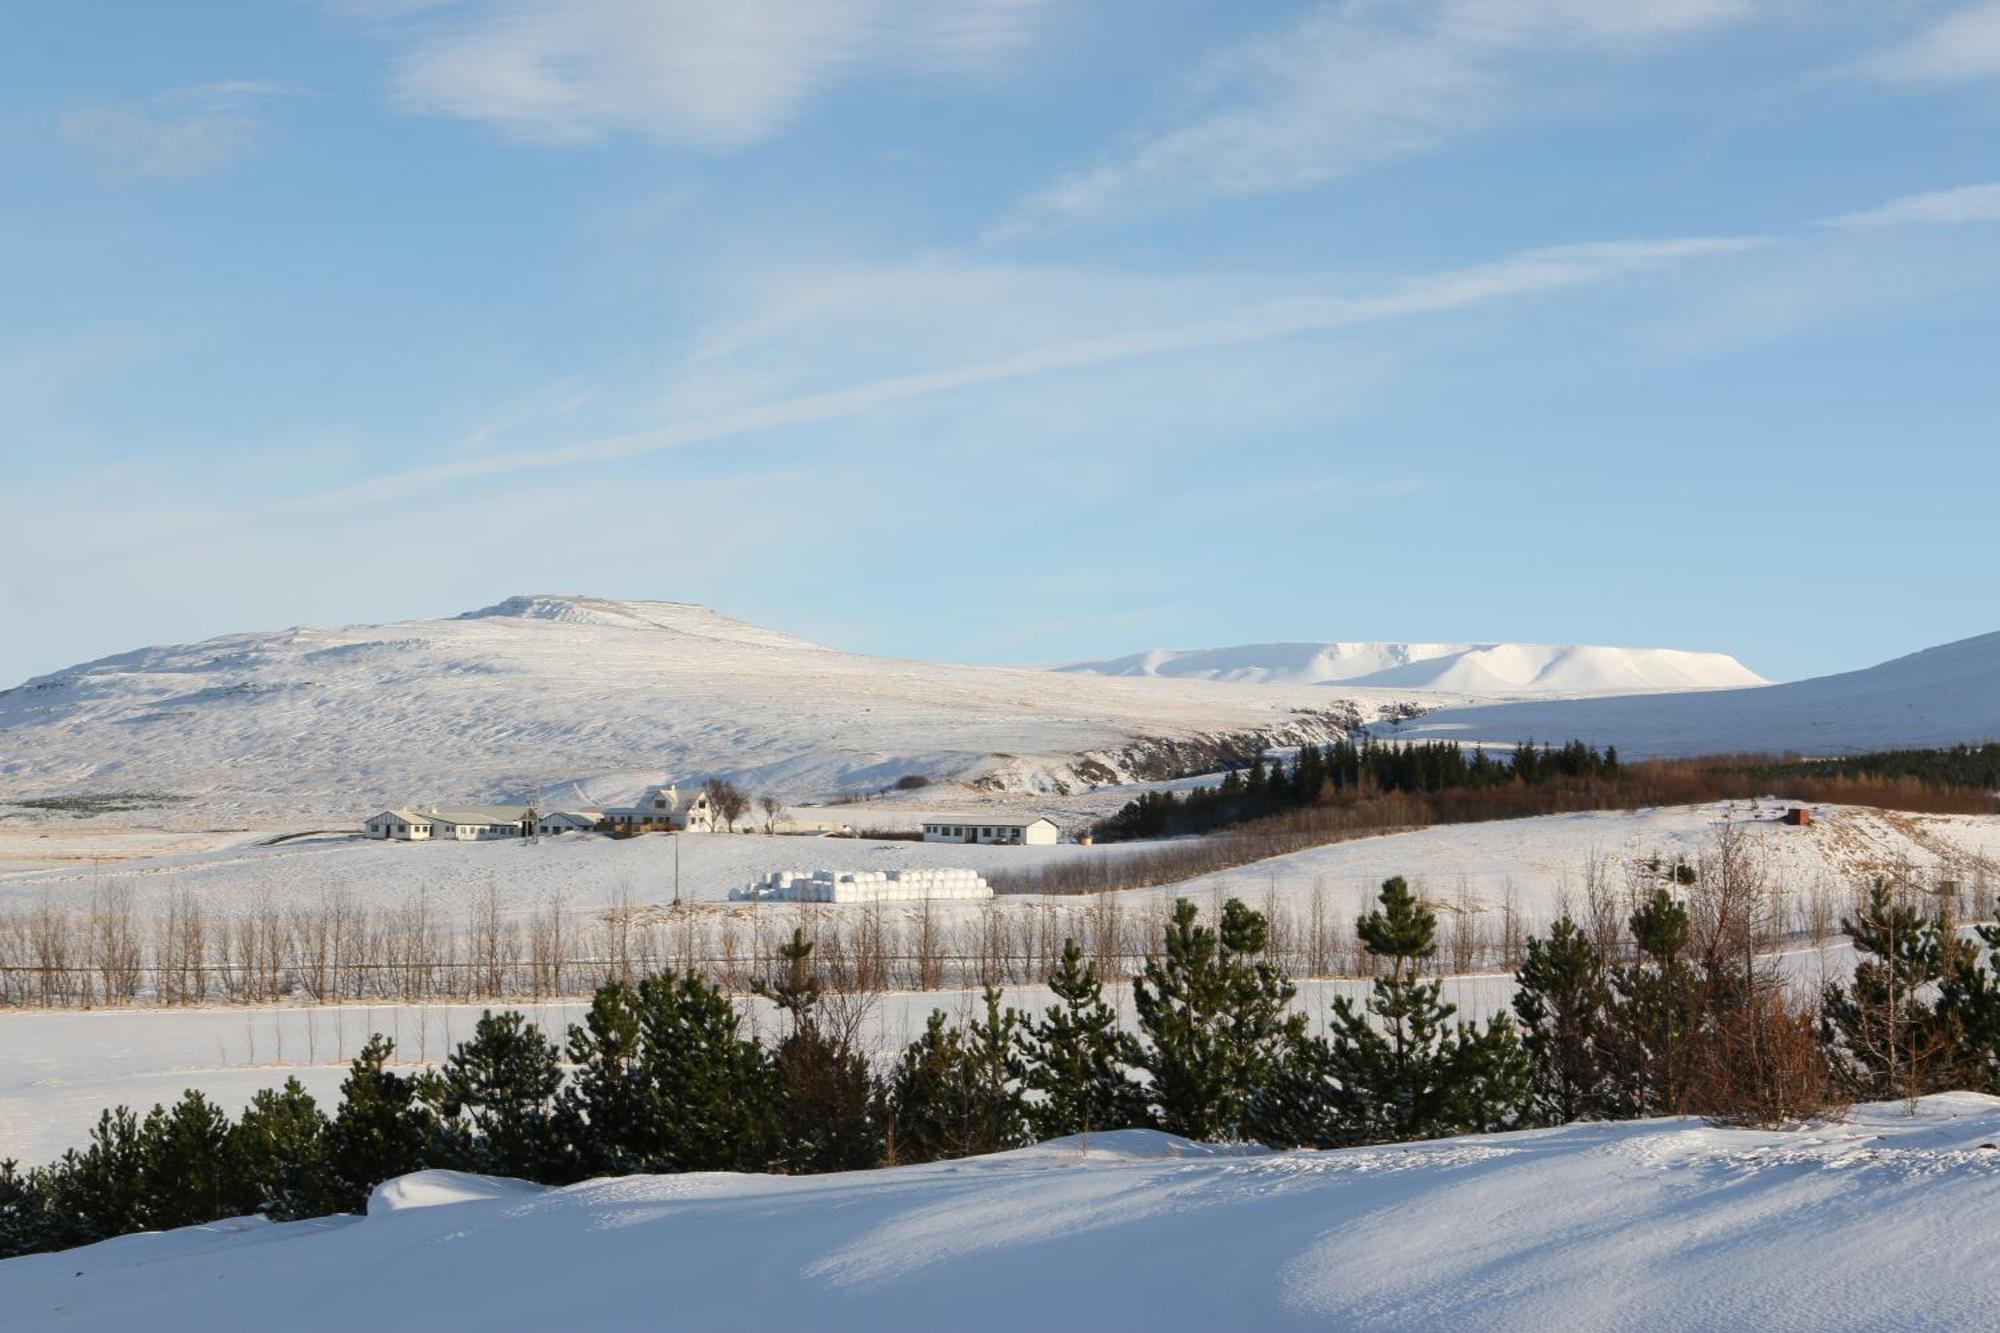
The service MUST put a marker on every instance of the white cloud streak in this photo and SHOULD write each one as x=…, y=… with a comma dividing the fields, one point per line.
x=686, y=72
x=190, y=132
x=1938, y=208
x=1527, y=273
x=1349, y=86
x=1962, y=45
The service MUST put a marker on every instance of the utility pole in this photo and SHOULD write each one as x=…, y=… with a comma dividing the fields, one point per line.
x=676, y=838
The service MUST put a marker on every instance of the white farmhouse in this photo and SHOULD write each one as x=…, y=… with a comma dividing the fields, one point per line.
x=661, y=806
x=403, y=825
x=480, y=823
x=1002, y=833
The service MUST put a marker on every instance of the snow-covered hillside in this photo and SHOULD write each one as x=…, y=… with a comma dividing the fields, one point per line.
x=1882, y=1221
x=1941, y=696
x=586, y=700
x=1467, y=668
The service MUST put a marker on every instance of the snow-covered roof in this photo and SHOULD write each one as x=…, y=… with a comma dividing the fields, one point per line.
x=482, y=814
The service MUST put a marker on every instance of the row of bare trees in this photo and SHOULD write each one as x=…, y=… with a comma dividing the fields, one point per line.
x=338, y=949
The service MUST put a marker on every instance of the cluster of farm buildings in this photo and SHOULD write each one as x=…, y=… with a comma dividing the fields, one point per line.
x=660, y=808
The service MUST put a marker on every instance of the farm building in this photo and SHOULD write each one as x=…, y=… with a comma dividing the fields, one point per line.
x=403, y=825
x=1031, y=833
x=661, y=806
x=480, y=823
x=568, y=821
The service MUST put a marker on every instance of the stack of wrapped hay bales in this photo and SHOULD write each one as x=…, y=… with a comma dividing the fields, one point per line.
x=925, y=884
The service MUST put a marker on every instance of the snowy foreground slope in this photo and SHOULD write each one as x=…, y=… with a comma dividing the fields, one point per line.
x=586, y=700
x=1468, y=668
x=1885, y=1221
x=1941, y=696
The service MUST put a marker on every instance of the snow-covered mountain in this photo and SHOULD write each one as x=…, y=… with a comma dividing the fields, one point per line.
x=587, y=699
x=1941, y=696
x=1468, y=668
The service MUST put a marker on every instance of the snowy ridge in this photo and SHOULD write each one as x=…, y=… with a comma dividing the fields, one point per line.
x=1482, y=668
x=1940, y=696
x=1640, y=1225
x=583, y=698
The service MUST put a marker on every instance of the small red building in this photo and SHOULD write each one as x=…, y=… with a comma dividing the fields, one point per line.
x=1798, y=817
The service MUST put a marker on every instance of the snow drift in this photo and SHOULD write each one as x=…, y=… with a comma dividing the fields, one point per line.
x=1482, y=668
x=1881, y=1222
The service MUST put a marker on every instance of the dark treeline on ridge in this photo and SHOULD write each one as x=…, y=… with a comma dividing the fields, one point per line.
x=1687, y=1017
x=1374, y=783
x=1328, y=774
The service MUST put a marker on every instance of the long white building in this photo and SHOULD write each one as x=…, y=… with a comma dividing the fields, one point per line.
x=996, y=833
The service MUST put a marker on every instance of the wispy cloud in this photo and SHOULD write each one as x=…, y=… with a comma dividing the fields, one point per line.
x=1350, y=86
x=691, y=72
x=187, y=132
x=1966, y=203
x=1523, y=274
x=1964, y=44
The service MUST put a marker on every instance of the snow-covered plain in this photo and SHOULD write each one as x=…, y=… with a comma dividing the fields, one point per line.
x=1884, y=1221
x=1542, y=860
x=1466, y=668
x=1940, y=696
x=583, y=700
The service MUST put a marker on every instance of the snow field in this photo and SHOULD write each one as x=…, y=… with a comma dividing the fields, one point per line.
x=1882, y=1221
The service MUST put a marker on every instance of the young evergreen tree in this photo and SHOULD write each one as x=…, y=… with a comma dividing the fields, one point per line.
x=100, y=1192
x=494, y=1100
x=708, y=1091
x=1969, y=1002
x=1213, y=1014
x=187, y=1171
x=1887, y=1038
x=956, y=1092
x=380, y=1131
x=22, y=1225
x=825, y=1099
x=1657, y=1017
x=279, y=1150
x=1079, y=1058
x=603, y=1115
x=926, y=1106
x=1397, y=1067
x=1562, y=999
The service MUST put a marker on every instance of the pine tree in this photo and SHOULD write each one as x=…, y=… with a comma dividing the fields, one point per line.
x=100, y=1192
x=825, y=1099
x=1889, y=1040
x=187, y=1171
x=708, y=1092
x=279, y=1147
x=494, y=1100
x=1561, y=998
x=1214, y=1017
x=1078, y=1057
x=603, y=1113
x=1396, y=1068
x=925, y=1102
x=22, y=1221
x=1657, y=1014
x=380, y=1130
x=1969, y=1003
x=956, y=1092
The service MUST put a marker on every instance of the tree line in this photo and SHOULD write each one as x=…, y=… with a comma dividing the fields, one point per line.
x=1349, y=786
x=661, y=1076
x=1327, y=774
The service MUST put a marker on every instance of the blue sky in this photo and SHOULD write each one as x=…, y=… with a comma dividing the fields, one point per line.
x=1007, y=330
